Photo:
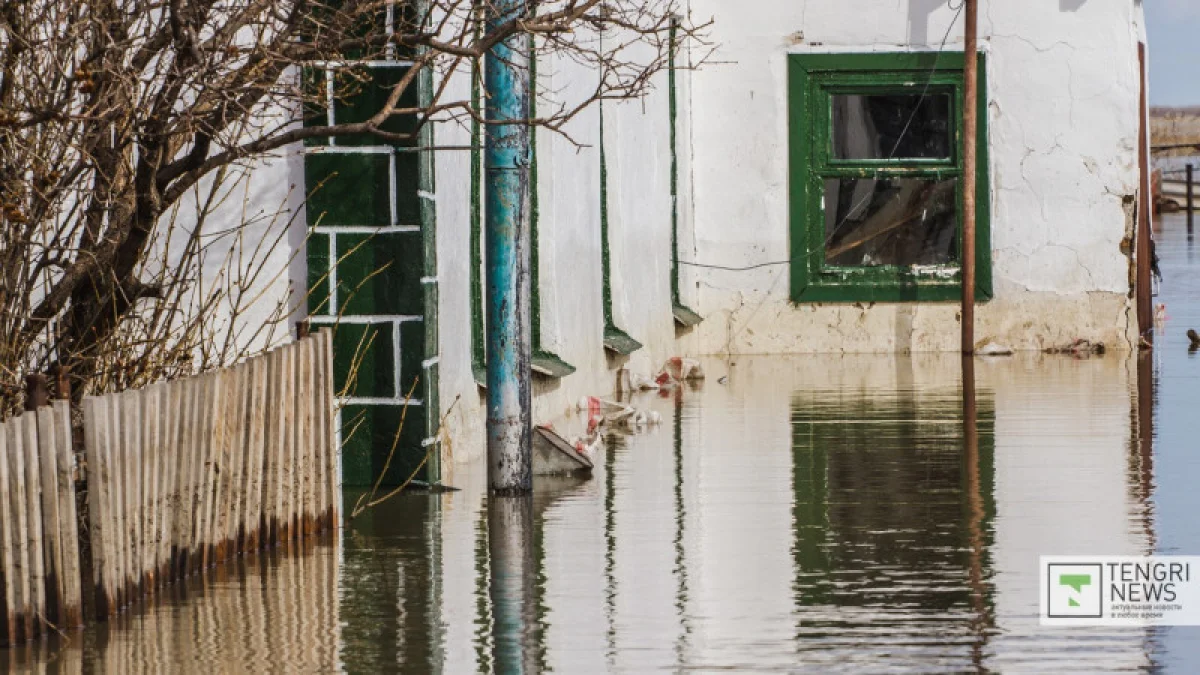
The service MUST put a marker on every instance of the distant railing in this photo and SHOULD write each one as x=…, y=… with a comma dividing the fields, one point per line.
x=180, y=476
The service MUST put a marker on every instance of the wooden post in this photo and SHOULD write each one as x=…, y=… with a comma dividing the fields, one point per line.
x=288, y=484
x=320, y=432
x=188, y=462
x=333, y=451
x=970, y=159
x=240, y=447
x=273, y=441
x=151, y=417
x=176, y=410
x=52, y=554
x=1145, y=312
x=37, y=394
x=222, y=464
x=1191, y=210
x=8, y=563
x=213, y=434
x=33, y=494
x=304, y=436
x=256, y=437
x=20, y=507
x=131, y=434
x=72, y=580
x=117, y=486
x=95, y=430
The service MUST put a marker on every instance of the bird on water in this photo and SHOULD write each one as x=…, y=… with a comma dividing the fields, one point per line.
x=1194, y=337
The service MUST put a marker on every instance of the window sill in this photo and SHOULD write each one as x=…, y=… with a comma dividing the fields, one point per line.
x=881, y=292
x=548, y=364
x=684, y=316
x=619, y=342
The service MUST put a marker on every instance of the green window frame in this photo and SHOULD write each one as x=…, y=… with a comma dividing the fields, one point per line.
x=813, y=79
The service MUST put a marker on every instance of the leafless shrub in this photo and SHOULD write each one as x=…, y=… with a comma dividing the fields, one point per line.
x=127, y=128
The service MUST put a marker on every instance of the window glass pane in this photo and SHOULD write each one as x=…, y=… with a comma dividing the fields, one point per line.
x=891, y=126
x=891, y=221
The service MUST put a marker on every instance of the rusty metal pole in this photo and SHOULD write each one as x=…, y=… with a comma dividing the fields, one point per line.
x=970, y=159
x=1142, y=241
x=37, y=392
x=507, y=216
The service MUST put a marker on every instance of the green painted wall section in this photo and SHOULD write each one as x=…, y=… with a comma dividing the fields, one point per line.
x=372, y=262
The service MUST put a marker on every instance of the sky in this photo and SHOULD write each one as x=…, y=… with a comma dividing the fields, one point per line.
x=1174, y=42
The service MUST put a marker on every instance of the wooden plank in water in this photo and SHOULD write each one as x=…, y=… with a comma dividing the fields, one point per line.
x=131, y=434
x=273, y=442
x=20, y=507
x=72, y=572
x=554, y=455
x=288, y=529
x=255, y=469
x=8, y=569
x=175, y=411
x=221, y=433
x=95, y=444
x=33, y=493
x=190, y=459
x=328, y=411
x=118, y=486
x=148, y=401
x=52, y=552
x=320, y=431
x=237, y=487
x=162, y=482
x=210, y=445
x=304, y=424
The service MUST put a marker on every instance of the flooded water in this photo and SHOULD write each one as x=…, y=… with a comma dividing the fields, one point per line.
x=817, y=514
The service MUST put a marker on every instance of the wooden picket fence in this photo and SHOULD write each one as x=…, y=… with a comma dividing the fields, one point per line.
x=180, y=476
x=39, y=530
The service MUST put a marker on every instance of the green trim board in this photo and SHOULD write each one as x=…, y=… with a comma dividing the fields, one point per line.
x=683, y=315
x=615, y=339
x=478, y=346
x=813, y=79
x=543, y=361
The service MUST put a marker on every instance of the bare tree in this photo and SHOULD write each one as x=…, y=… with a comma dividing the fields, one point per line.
x=121, y=119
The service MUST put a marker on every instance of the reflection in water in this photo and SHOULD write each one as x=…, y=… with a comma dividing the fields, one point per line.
x=278, y=608
x=813, y=513
x=890, y=525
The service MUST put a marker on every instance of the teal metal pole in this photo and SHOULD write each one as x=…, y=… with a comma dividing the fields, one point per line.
x=507, y=158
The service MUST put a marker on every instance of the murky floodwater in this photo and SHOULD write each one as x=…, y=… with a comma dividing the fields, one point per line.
x=817, y=513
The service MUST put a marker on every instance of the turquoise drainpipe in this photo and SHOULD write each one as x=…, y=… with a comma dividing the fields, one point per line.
x=507, y=159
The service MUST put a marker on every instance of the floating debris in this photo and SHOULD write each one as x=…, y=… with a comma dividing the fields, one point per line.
x=989, y=347
x=1080, y=348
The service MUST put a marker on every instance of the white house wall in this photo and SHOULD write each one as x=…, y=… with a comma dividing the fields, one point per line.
x=1062, y=120
x=1062, y=115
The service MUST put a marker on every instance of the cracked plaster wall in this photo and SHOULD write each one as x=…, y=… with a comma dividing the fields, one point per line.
x=1063, y=125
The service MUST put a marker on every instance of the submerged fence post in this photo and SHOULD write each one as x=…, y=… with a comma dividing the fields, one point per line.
x=507, y=260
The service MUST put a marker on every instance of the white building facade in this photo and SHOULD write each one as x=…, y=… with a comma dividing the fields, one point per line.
x=797, y=192
x=800, y=192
